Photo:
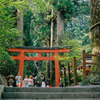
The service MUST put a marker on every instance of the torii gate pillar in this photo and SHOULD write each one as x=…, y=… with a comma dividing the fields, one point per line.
x=57, y=70
x=21, y=64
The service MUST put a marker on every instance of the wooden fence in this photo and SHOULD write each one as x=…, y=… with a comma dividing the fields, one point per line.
x=83, y=66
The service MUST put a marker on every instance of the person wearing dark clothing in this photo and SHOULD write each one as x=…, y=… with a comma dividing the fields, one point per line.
x=36, y=71
x=35, y=75
x=43, y=80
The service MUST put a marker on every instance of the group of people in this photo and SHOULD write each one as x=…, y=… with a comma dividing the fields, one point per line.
x=30, y=82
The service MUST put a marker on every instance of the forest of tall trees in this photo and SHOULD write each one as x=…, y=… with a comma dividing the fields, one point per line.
x=47, y=23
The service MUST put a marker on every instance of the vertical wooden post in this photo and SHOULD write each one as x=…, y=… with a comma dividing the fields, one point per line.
x=84, y=65
x=69, y=78
x=21, y=65
x=75, y=70
x=65, y=77
x=57, y=76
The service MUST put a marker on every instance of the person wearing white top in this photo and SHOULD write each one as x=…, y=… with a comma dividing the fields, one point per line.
x=26, y=81
x=30, y=81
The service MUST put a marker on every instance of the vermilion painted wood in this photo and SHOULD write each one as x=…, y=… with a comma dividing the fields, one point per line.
x=39, y=50
x=33, y=58
x=23, y=57
x=21, y=65
x=57, y=72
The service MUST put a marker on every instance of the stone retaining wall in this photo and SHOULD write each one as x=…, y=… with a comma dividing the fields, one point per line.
x=1, y=90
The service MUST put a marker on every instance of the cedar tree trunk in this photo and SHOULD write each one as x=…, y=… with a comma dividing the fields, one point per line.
x=60, y=27
x=95, y=33
x=20, y=22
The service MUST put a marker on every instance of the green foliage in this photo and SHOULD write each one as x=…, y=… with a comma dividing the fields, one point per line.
x=29, y=68
x=4, y=57
x=65, y=6
x=79, y=78
x=9, y=36
x=23, y=5
x=61, y=5
x=40, y=30
x=74, y=52
x=78, y=31
x=76, y=5
x=41, y=5
x=7, y=65
x=84, y=7
x=26, y=32
x=93, y=79
x=81, y=7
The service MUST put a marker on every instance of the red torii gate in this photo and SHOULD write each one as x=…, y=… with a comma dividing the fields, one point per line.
x=39, y=50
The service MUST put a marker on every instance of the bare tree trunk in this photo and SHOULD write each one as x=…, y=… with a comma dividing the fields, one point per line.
x=54, y=32
x=47, y=66
x=51, y=44
x=95, y=33
x=60, y=26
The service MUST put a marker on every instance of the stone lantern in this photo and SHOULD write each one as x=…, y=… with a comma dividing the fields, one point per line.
x=10, y=80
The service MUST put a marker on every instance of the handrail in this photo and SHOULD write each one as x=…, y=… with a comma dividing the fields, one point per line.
x=92, y=54
x=80, y=75
x=71, y=64
x=78, y=58
x=83, y=65
x=72, y=78
x=92, y=63
x=73, y=70
x=79, y=66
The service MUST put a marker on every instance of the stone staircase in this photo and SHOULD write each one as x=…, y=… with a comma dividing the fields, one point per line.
x=54, y=93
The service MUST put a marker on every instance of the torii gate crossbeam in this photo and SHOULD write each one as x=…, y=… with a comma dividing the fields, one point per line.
x=39, y=50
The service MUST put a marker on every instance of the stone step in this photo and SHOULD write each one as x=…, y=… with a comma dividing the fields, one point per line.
x=53, y=89
x=50, y=95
